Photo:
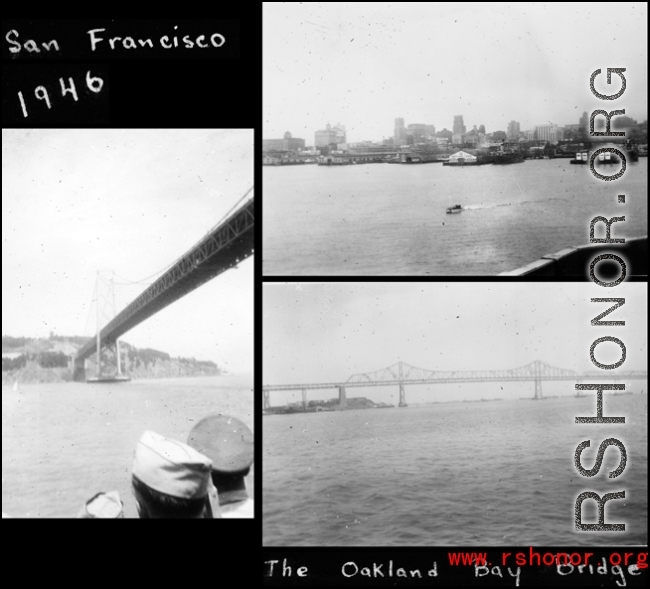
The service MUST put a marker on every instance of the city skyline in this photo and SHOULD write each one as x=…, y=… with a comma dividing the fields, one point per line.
x=599, y=124
x=426, y=64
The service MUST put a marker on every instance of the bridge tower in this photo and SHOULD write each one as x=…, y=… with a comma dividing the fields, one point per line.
x=402, y=392
x=267, y=402
x=108, y=364
x=343, y=401
x=537, y=371
x=304, y=399
x=79, y=370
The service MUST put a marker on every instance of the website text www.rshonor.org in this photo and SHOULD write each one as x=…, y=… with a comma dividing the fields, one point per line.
x=574, y=563
x=561, y=559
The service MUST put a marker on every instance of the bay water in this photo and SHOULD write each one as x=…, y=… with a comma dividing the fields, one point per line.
x=382, y=219
x=460, y=473
x=64, y=442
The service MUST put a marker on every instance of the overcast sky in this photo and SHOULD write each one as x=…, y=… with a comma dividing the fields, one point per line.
x=130, y=202
x=325, y=333
x=364, y=65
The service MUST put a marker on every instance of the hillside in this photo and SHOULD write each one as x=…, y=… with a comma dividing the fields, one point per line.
x=38, y=360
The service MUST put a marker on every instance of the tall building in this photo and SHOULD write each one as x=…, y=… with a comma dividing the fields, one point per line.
x=330, y=135
x=340, y=133
x=419, y=131
x=459, y=127
x=472, y=136
x=399, y=134
x=513, y=130
x=551, y=133
x=323, y=138
x=574, y=132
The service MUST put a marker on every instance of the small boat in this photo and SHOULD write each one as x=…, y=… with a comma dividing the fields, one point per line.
x=454, y=209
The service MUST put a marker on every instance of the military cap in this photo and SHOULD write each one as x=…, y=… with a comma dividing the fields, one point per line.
x=226, y=440
x=171, y=467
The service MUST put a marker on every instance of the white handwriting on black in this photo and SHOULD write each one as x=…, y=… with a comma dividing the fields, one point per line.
x=94, y=85
x=31, y=46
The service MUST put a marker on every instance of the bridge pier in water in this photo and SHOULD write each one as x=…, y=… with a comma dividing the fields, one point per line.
x=538, y=389
x=343, y=401
x=79, y=370
x=304, y=399
x=108, y=364
x=402, y=395
x=266, y=401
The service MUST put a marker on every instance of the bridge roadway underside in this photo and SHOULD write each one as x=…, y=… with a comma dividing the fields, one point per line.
x=225, y=247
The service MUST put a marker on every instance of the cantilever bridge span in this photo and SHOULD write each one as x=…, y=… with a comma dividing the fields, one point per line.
x=401, y=374
x=223, y=247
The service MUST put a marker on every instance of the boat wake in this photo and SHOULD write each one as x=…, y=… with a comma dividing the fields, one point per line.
x=506, y=204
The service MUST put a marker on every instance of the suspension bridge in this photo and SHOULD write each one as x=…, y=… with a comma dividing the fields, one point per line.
x=401, y=374
x=223, y=247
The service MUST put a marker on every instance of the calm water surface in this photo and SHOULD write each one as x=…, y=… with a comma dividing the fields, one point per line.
x=498, y=473
x=63, y=443
x=390, y=219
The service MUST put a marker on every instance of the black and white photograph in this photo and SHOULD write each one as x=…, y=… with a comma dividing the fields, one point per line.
x=438, y=139
x=446, y=414
x=127, y=323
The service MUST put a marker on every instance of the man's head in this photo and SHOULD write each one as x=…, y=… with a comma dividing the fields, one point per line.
x=170, y=479
x=228, y=442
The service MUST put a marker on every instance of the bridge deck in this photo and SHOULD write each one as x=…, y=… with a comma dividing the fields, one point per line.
x=334, y=385
x=401, y=374
x=224, y=247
